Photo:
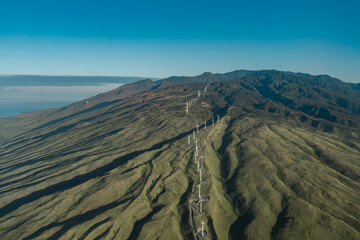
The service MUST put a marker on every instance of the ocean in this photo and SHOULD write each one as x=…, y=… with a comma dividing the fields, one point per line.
x=11, y=109
x=19, y=94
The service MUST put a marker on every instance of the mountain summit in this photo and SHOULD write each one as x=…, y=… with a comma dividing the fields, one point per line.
x=282, y=161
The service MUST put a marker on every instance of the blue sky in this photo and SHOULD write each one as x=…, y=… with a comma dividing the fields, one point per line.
x=163, y=38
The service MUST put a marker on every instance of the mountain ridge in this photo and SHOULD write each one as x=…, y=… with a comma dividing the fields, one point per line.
x=283, y=163
x=144, y=85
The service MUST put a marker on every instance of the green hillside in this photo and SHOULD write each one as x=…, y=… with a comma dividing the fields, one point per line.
x=283, y=162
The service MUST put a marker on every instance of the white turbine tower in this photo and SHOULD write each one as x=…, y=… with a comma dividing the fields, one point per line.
x=187, y=108
x=199, y=186
x=197, y=128
x=188, y=140
x=196, y=148
x=201, y=200
x=218, y=118
x=202, y=229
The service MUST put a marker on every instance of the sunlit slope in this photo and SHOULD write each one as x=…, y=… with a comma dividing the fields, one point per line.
x=123, y=170
x=108, y=171
x=282, y=181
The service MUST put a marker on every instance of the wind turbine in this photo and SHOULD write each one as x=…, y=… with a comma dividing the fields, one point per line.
x=199, y=186
x=202, y=229
x=198, y=165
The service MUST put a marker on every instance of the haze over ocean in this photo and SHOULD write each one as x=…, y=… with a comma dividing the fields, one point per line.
x=19, y=94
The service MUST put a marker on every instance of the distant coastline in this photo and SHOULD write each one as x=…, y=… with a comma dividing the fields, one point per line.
x=27, y=93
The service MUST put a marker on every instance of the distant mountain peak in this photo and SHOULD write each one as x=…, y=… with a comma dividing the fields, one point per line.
x=207, y=74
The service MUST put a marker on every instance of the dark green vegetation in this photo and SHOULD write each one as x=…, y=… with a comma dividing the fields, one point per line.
x=284, y=163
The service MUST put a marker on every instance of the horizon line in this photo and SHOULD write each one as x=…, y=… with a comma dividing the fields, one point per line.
x=158, y=78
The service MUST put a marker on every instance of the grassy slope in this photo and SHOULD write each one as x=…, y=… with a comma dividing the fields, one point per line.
x=124, y=171
x=284, y=181
x=118, y=171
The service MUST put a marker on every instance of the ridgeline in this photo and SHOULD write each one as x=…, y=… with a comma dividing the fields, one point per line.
x=283, y=162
